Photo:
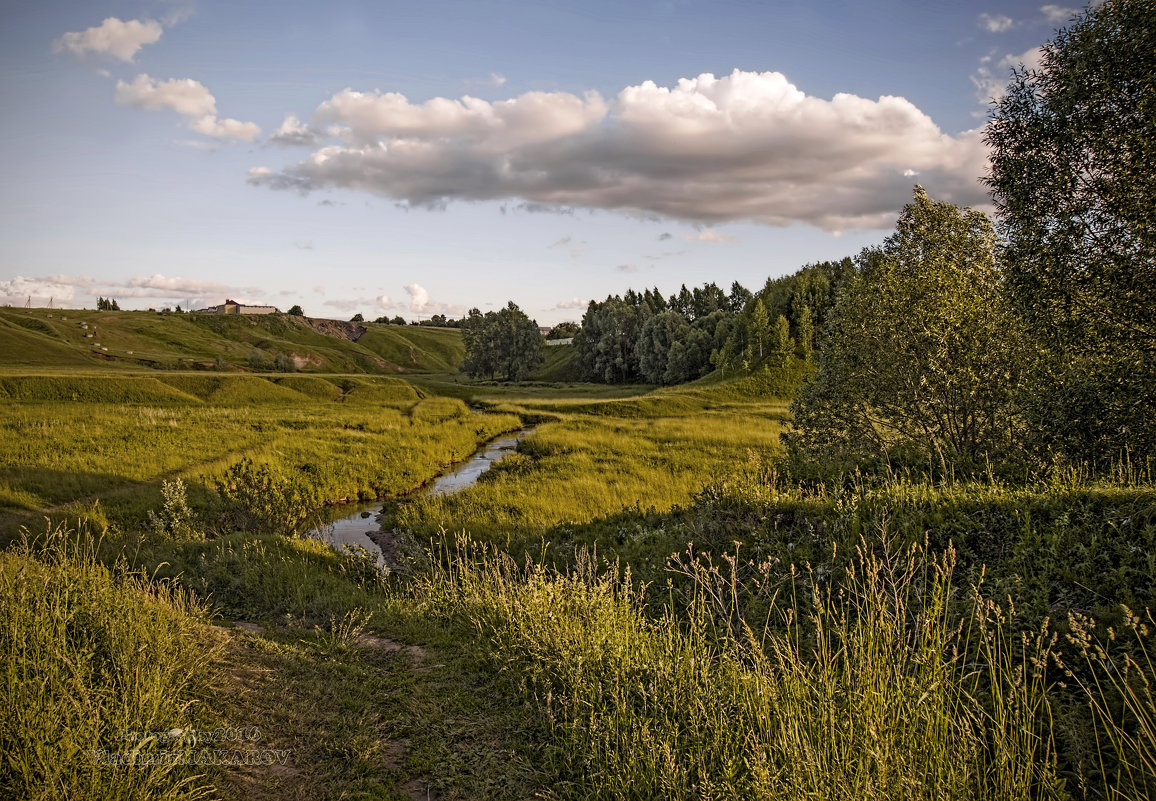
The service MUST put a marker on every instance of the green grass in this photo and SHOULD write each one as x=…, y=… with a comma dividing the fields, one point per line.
x=92, y=655
x=595, y=458
x=559, y=365
x=875, y=698
x=132, y=340
x=815, y=641
x=121, y=437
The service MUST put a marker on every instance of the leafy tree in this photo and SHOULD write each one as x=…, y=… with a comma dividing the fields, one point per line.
x=296, y=310
x=781, y=342
x=606, y=346
x=739, y=297
x=397, y=320
x=563, y=330
x=805, y=331
x=658, y=334
x=505, y=343
x=357, y=318
x=921, y=356
x=758, y=332
x=1073, y=146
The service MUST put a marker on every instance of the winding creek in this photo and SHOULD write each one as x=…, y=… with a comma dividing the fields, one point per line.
x=360, y=521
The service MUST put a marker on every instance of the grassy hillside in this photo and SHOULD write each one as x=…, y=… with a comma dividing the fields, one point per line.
x=69, y=338
x=558, y=366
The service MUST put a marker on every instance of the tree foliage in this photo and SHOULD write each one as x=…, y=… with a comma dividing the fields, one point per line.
x=646, y=337
x=920, y=354
x=295, y=310
x=504, y=344
x=1073, y=147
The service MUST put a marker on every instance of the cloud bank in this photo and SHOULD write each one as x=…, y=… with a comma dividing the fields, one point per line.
x=65, y=289
x=746, y=146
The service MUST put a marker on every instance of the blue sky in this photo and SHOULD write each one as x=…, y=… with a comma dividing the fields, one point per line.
x=419, y=158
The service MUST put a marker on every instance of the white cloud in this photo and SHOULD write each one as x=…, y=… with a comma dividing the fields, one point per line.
x=168, y=286
x=384, y=302
x=563, y=241
x=573, y=303
x=182, y=95
x=293, y=133
x=227, y=129
x=992, y=77
x=744, y=146
x=497, y=79
x=115, y=38
x=996, y=23
x=80, y=289
x=709, y=235
x=344, y=305
x=188, y=98
x=37, y=290
x=421, y=303
x=627, y=268
x=1057, y=15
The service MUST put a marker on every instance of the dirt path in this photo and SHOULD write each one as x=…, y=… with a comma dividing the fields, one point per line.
x=365, y=716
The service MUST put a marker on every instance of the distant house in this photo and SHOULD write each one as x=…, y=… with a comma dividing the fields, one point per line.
x=233, y=307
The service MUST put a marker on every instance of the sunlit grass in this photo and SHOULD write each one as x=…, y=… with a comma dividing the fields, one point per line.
x=589, y=465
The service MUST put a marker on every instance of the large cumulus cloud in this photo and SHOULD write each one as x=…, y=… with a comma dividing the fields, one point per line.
x=746, y=146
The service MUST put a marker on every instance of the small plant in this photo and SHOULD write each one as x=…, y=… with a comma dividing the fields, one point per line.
x=265, y=502
x=176, y=519
x=341, y=635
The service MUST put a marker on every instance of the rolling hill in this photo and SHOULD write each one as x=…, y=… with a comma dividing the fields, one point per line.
x=71, y=338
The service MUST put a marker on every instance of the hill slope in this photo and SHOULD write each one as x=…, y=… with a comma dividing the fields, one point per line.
x=135, y=339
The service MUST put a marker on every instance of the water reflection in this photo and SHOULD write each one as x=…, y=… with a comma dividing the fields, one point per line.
x=356, y=528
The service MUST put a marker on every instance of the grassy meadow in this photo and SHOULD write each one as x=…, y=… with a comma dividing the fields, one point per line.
x=635, y=604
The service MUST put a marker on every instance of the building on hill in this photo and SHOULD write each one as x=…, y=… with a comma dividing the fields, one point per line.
x=233, y=307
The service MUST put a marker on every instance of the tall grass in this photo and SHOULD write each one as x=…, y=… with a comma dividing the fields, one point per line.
x=92, y=656
x=865, y=691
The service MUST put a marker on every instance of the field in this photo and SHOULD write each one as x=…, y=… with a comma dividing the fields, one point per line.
x=635, y=604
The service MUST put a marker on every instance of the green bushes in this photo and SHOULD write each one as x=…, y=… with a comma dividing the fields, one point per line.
x=92, y=655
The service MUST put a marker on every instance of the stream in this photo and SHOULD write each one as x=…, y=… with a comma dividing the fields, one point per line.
x=360, y=520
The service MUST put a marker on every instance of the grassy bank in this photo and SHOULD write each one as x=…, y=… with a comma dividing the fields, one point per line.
x=97, y=660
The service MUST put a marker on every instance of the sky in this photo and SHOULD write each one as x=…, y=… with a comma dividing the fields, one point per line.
x=420, y=158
